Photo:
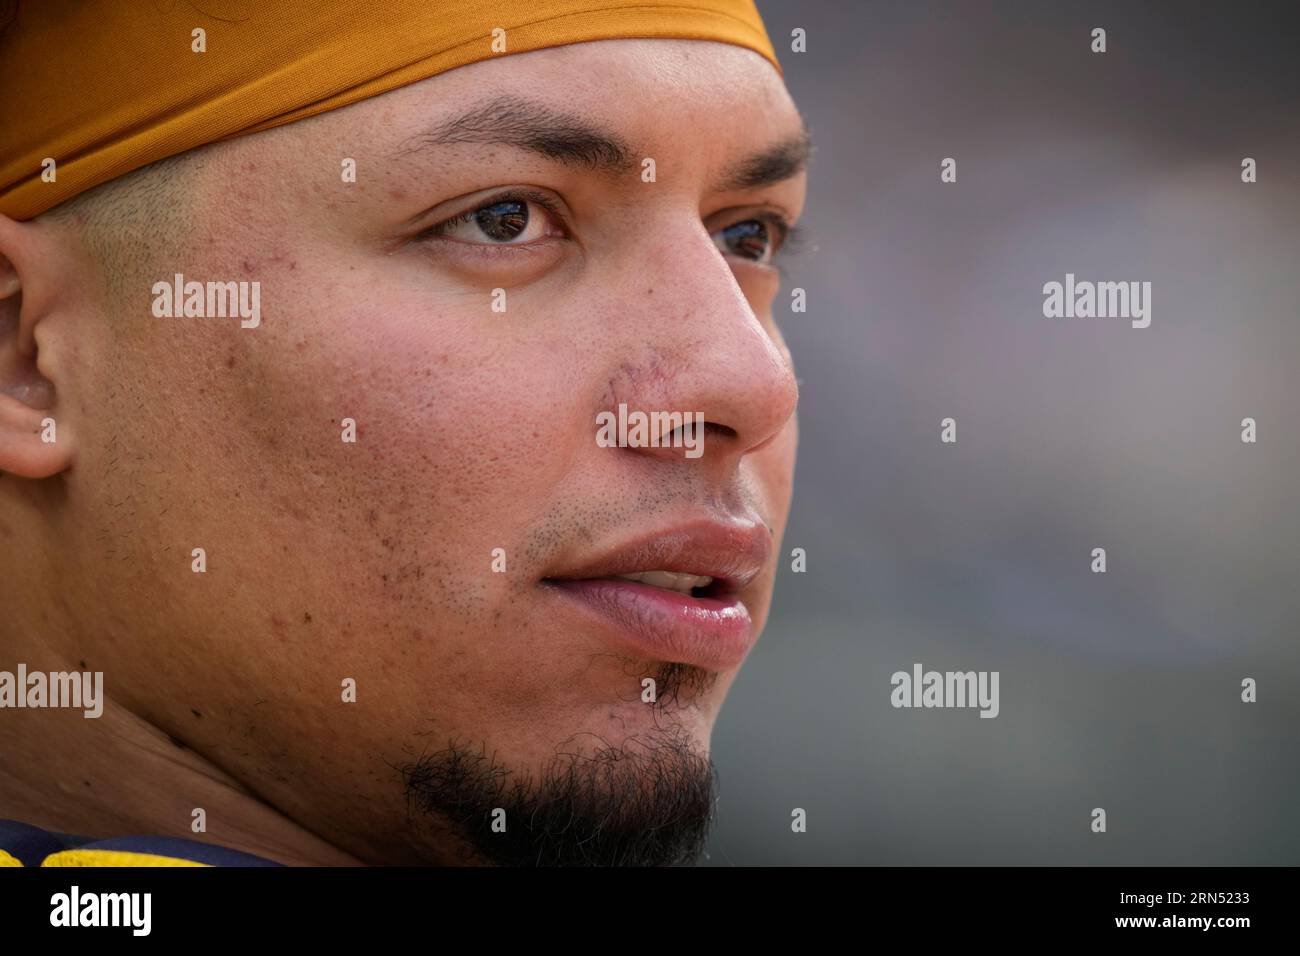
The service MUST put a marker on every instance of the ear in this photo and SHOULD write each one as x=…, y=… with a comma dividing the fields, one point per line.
x=33, y=442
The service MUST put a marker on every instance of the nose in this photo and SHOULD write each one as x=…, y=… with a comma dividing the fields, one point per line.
x=701, y=348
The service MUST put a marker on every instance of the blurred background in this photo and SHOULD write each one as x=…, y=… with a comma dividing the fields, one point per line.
x=1119, y=690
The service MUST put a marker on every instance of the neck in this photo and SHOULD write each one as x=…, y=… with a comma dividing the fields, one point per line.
x=118, y=775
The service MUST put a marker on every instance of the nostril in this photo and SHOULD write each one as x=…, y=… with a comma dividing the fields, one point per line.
x=721, y=431
x=709, y=430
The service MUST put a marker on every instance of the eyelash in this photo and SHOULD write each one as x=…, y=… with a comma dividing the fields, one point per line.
x=788, y=237
x=519, y=195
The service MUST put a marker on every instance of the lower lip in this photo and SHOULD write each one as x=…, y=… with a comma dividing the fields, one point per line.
x=710, y=632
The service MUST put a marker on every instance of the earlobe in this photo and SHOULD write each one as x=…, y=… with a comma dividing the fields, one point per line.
x=33, y=444
x=30, y=443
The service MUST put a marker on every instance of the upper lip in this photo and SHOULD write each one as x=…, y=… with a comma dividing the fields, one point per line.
x=733, y=552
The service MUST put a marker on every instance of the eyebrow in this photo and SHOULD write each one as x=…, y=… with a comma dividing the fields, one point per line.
x=535, y=127
x=567, y=138
x=776, y=163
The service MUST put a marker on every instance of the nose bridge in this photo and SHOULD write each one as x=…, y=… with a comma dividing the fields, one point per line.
x=700, y=348
x=701, y=290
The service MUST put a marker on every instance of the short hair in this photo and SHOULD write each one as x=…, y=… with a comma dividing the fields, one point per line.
x=133, y=220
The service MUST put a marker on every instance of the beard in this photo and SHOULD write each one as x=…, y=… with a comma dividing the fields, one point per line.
x=647, y=802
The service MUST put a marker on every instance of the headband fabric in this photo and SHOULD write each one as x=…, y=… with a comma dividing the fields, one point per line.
x=103, y=87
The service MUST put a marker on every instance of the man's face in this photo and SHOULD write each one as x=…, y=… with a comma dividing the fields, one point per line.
x=436, y=561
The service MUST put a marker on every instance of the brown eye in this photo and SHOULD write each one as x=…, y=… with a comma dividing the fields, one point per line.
x=504, y=220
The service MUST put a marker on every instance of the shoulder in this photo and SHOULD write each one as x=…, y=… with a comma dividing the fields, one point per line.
x=22, y=844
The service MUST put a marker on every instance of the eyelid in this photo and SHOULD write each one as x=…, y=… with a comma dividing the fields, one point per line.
x=507, y=194
x=770, y=214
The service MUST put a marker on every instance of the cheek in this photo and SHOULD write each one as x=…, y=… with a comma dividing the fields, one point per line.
x=460, y=426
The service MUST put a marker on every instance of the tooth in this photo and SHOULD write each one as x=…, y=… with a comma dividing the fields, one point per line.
x=669, y=580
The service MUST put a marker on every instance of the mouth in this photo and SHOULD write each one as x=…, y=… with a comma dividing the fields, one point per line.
x=674, y=595
x=688, y=585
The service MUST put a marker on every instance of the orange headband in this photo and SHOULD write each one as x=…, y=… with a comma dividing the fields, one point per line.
x=102, y=87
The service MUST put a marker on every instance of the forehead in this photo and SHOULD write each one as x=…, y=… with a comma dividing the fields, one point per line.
x=645, y=89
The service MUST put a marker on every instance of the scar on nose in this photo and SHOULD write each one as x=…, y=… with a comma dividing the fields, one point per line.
x=638, y=378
